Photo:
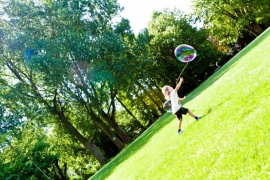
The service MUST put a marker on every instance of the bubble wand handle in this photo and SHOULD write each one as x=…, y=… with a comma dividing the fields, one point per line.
x=181, y=73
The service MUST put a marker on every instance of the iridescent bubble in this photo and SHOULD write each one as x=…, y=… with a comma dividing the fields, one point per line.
x=167, y=106
x=185, y=53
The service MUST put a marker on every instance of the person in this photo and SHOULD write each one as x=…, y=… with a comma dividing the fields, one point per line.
x=177, y=109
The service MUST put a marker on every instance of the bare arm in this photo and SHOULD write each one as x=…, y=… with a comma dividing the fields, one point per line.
x=181, y=99
x=179, y=84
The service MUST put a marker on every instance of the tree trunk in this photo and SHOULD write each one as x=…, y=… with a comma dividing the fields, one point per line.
x=159, y=94
x=111, y=120
x=120, y=132
x=152, y=98
x=130, y=113
x=89, y=146
x=104, y=127
x=59, y=170
x=256, y=29
x=114, y=138
x=145, y=106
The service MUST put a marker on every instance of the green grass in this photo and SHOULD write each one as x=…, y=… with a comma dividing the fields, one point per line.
x=231, y=141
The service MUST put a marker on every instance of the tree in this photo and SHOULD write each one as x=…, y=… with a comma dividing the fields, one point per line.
x=26, y=154
x=67, y=59
x=170, y=29
x=43, y=76
x=229, y=21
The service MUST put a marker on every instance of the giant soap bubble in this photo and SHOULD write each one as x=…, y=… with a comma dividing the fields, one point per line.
x=167, y=106
x=185, y=53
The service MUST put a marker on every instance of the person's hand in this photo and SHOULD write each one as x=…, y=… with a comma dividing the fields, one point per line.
x=181, y=79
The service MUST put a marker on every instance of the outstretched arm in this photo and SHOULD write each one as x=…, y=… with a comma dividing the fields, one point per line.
x=179, y=84
x=181, y=99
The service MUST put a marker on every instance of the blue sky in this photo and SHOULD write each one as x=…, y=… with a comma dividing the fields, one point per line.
x=139, y=12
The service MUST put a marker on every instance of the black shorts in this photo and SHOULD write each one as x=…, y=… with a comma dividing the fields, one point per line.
x=181, y=111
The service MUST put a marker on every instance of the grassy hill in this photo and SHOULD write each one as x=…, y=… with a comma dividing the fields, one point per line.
x=231, y=141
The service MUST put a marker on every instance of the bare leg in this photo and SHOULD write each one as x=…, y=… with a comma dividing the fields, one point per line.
x=191, y=114
x=179, y=123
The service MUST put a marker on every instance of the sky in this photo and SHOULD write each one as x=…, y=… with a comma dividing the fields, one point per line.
x=139, y=12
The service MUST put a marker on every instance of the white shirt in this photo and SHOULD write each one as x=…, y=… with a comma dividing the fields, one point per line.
x=174, y=100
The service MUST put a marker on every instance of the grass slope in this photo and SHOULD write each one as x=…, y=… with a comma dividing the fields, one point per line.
x=231, y=141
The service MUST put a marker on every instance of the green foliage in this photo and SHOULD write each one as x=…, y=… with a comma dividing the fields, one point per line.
x=170, y=29
x=229, y=21
x=231, y=141
x=87, y=78
x=74, y=160
x=27, y=156
x=8, y=121
x=63, y=64
x=55, y=77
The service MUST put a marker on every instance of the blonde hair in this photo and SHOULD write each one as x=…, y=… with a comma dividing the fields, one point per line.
x=164, y=89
